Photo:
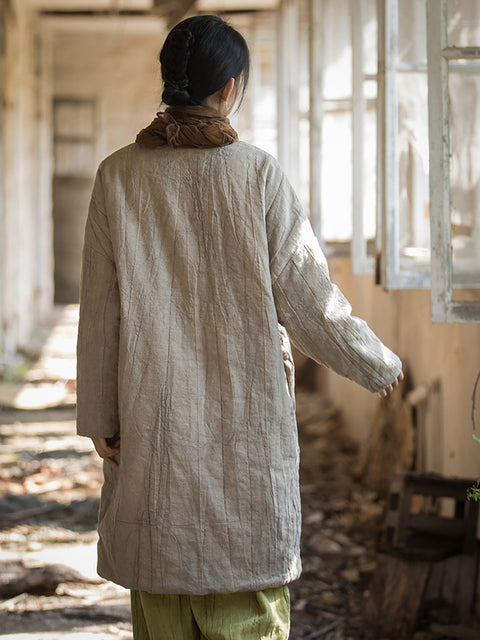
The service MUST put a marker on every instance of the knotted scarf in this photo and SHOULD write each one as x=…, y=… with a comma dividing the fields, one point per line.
x=188, y=126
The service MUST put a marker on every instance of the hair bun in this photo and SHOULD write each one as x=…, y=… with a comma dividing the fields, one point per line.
x=174, y=94
x=174, y=60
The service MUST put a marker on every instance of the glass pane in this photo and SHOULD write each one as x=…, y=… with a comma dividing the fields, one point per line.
x=464, y=96
x=337, y=50
x=414, y=219
x=463, y=23
x=336, y=176
x=336, y=223
x=370, y=90
x=412, y=30
x=370, y=168
x=464, y=90
x=370, y=33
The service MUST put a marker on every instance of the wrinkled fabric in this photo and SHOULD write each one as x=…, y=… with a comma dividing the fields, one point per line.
x=232, y=616
x=188, y=126
x=192, y=260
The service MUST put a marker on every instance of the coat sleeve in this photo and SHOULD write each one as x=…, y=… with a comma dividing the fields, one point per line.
x=313, y=310
x=99, y=323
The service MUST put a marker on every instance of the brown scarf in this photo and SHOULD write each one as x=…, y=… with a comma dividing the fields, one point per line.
x=188, y=126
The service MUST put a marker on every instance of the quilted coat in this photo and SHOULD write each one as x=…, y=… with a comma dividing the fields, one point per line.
x=197, y=263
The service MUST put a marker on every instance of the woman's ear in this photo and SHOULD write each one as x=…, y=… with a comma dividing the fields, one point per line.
x=227, y=90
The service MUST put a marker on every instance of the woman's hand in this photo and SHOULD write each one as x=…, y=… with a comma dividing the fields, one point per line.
x=384, y=392
x=106, y=451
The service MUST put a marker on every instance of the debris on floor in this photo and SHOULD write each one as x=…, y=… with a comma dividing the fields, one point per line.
x=49, y=491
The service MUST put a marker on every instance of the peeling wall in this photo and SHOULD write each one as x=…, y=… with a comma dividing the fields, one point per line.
x=447, y=353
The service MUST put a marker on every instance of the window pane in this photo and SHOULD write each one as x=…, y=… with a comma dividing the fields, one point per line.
x=336, y=176
x=414, y=222
x=336, y=224
x=412, y=43
x=405, y=190
x=463, y=23
x=464, y=95
x=370, y=166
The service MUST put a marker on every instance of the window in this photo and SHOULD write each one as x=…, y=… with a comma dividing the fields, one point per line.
x=403, y=145
x=343, y=155
x=454, y=108
x=74, y=137
x=364, y=138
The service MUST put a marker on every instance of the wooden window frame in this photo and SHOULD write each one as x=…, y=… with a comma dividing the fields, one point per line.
x=392, y=275
x=444, y=308
x=362, y=263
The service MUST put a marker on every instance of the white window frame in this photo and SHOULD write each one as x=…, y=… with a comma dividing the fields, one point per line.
x=316, y=64
x=444, y=308
x=362, y=263
x=392, y=276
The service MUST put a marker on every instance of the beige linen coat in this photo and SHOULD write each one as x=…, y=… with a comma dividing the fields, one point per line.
x=194, y=261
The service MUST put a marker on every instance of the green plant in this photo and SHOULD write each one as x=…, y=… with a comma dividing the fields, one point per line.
x=473, y=492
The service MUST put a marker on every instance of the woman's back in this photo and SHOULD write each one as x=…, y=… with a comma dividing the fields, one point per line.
x=202, y=394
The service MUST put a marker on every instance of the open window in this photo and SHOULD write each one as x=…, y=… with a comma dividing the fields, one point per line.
x=364, y=28
x=343, y=122
x=454, y=109
x=403, y=194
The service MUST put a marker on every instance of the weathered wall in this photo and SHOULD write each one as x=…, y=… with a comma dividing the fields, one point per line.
x=447, y=353
x=25, y=203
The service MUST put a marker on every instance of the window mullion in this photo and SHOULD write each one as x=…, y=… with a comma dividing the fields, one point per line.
x=361, y=264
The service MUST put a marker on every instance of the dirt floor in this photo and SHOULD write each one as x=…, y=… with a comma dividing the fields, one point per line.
x=49, y=486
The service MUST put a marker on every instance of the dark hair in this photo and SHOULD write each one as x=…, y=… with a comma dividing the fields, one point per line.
x=199, y=57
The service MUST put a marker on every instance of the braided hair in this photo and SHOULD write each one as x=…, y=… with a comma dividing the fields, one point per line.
x=198, y=58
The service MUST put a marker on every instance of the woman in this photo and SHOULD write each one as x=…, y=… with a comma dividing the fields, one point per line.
x=197, y=261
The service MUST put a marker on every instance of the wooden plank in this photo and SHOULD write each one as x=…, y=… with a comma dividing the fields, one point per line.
x=395, y=597
x=433, y=524
x=452, y=582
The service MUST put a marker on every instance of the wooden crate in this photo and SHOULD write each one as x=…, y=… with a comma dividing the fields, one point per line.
x=414, y=524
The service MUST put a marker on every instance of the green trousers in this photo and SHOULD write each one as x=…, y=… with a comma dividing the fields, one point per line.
x=261, y=615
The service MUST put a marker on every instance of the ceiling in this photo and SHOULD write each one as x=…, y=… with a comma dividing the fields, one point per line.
x=167, y=6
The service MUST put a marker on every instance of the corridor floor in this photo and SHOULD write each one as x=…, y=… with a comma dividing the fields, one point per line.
x=50, y=481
